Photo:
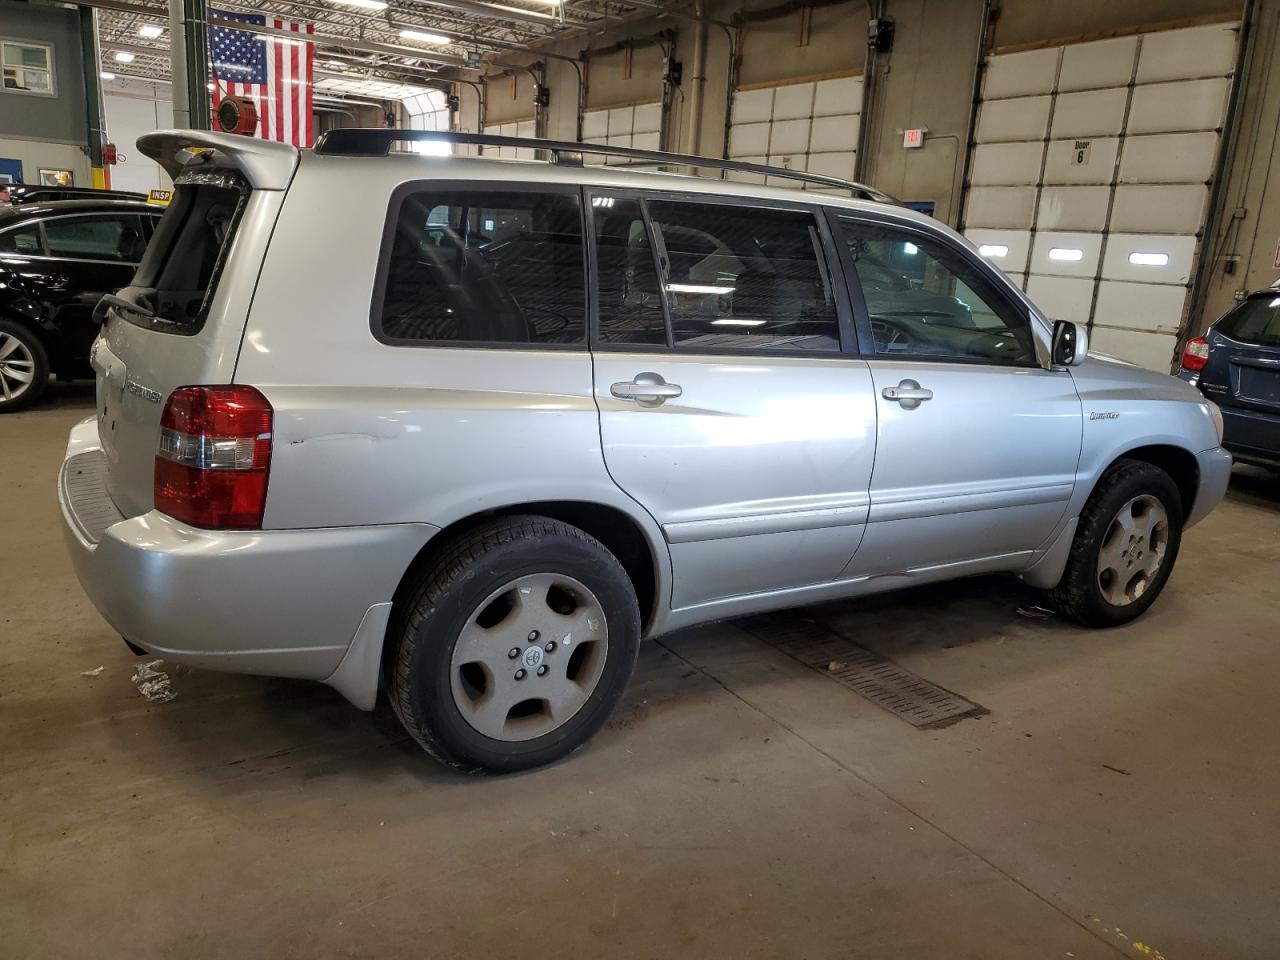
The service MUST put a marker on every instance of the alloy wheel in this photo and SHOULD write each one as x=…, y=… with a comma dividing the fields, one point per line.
x=17, y=368
x=1133, y=551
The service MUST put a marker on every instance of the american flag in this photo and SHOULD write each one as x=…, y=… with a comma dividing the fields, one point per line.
x=275, y=72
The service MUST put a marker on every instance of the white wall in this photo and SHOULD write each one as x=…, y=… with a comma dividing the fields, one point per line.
x=132, y=108
x=34, y=154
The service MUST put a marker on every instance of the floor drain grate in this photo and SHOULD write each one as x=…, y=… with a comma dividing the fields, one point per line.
x=917, y=701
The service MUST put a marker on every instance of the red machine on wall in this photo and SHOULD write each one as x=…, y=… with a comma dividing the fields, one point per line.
x=237, y=115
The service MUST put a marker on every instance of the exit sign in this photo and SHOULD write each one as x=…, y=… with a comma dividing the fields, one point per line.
x=912, y=139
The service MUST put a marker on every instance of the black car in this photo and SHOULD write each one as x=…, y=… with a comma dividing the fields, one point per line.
x=20, y=193
x=1236, y=364
x=56, y=262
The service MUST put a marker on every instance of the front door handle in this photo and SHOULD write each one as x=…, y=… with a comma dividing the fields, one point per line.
x=646, y=389
x=908, y=393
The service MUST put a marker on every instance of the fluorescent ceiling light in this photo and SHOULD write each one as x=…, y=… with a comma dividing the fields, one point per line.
x=150, y=30
x=122, y=56
x=424, y=37
x=910, y=249
x=1149, y=259
x=366, y=4
x=1066, y=253
x=550, y=3
x=734, y=322
x=107, y=76
x=602, y=201
x=697, y=288
x=993, y=250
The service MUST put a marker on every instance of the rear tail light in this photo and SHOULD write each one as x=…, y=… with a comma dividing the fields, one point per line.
x=214, y=457
x=1195, y=354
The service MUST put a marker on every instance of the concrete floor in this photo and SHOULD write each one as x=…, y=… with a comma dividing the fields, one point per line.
x=1121, y=799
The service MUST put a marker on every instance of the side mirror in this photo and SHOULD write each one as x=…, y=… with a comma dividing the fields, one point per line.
x=1070, y=344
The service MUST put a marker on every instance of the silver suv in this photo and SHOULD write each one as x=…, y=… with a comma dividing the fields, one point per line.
x=467, y=431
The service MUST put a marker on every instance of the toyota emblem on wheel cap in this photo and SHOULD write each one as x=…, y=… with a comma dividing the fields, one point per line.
x=533, y=657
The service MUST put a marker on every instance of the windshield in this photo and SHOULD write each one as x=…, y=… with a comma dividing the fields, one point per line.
x=1255, y=321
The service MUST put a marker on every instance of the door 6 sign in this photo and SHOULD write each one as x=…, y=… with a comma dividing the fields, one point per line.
x=1080, y=153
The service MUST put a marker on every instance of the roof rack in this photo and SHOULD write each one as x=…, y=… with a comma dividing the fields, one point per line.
x=378, y=141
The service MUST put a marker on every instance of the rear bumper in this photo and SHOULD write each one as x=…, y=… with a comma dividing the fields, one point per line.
x=287, y=603
x=1215, y=475
x=1252, y=436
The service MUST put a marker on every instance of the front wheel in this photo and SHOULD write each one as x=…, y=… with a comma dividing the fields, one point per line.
x=1125, y=546
x=24, y=367
x=514, y=647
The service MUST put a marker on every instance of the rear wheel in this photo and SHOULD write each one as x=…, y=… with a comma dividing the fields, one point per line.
x=514, y=647
x=1125, y=546
x=24, y=367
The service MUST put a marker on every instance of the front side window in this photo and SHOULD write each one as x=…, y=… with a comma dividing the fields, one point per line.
x=925, y=300
x=27, y=67
x=22, y=240
x=484, y=267
x=95, y=238
x=743, y=278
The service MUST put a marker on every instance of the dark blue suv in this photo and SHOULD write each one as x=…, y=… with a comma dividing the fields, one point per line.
x=1236, y=364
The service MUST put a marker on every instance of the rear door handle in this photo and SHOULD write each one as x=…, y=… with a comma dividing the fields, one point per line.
x=646, y=389
x=908, y=393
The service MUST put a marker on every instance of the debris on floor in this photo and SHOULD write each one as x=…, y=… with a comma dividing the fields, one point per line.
x=92, y=673
x=835, y=666
x=152, y=683
x=1033, y=612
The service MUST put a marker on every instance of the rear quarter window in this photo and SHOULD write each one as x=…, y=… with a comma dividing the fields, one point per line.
x=484, y=267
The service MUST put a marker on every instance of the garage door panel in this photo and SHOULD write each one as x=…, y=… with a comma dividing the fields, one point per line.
x=1184, y=105
x=1006, y=249
x=1020, y=74
x=1062, y=298
x=829, y=134
x=837, y=95
x=793, y=101
x=1149, y=307
x=787, y=162
x=1093, y=113
x=748, y=139
x=753, y=106
x=1103, y=63
x=1011, y=207
x=1147, y=208
x=748, y=177
x=1022, y=118
x=1073, y=208
x=789, y=136
x=1151, y=350
x=1011, y=164
x=1066, y=254
x=620, y=121
x=1149, y=258
x=1208, y=51
x=1168, y=158
x=838, y=164
x=647, y=141
x=595, y=123
x=647, y=118
x=1060, y=166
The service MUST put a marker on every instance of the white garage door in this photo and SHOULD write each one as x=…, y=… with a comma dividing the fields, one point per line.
x=635, y=125
x=128, y=116
x=513, y=128
x=810, y=126
x=1089, y=178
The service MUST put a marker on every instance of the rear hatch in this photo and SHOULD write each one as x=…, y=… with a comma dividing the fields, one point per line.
x=1243, y=368
x=181, y=321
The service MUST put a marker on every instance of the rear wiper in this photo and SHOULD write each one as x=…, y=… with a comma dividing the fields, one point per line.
x=120, y=303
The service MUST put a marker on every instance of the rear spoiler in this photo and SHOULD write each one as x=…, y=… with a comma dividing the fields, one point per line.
x=266, y=164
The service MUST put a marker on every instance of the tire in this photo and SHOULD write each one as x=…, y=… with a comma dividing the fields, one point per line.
x=1122, y=553
x=466, y=669
x=23, y=357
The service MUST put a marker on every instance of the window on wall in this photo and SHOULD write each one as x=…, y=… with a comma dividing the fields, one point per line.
x=925, y=300
x=27, y=67
x=485, y=267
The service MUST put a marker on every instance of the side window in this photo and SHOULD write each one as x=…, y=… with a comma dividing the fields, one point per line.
x=480, y=266
x=22, y=240
x=629, y=298
x=924, y=299
x=95, y=238
x=744, y=278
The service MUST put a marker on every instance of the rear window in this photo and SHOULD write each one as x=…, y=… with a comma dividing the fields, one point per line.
x=179, y=273
x=483, y=267
x=1255, y=321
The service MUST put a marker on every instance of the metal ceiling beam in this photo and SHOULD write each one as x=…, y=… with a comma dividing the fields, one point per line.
x=495, y=11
